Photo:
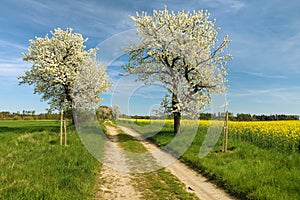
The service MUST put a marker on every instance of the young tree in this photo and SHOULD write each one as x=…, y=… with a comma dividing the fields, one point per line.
x=57, y=62
x=182, y=52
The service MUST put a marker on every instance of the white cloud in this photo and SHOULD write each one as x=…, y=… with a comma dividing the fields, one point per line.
x=226, y=5
x=288, y=95
x=249, y=93
x=8, y=44
x=263, y=75
x=12, y=67
x=126, y=87
x=262, y=42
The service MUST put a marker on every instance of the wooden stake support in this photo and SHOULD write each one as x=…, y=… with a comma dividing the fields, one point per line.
x=61, y=126
x=225, y=134
x=65, y=130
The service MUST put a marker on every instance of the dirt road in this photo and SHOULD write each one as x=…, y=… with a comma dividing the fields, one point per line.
x=194, y=181
x=114, y=183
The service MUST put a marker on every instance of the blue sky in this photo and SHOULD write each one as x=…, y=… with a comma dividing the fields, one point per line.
x=263, y=76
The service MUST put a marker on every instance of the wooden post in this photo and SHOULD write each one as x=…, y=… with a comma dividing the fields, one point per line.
x=65, y=129
x=61, y=125
x=223, y=139
x=225, y=134
x=226, y=131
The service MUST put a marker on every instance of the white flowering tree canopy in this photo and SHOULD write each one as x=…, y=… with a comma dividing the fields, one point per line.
x=180, y=50
x=89, y=83
x=57, y=61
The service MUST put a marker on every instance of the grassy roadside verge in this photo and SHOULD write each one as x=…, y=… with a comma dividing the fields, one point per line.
x=153, y=185
x=34, y=166
x=246, y=171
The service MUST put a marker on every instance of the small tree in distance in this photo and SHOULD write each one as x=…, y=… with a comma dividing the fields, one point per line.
x=183, y=53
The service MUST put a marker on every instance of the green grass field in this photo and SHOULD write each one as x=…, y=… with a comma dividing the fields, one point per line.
x=247, y=170
x=34, y=166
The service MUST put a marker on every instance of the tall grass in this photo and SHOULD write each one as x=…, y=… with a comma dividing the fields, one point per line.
x=34, y=166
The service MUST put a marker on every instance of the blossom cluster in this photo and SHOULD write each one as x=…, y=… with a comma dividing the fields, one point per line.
x=181, y=51
x=57, y=62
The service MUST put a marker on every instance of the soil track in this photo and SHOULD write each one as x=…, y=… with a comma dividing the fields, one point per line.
x=117, y=184
x=112, y=183
x=194, y=181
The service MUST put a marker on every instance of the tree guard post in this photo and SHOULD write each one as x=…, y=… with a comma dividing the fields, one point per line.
x=65, y=130
x=225, y=135
x=61, y=125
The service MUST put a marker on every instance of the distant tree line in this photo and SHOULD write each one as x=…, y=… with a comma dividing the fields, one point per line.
x=248, y=117
x=113, y=112
x=275, y=117
x=231, y=117
x=102, y=112
x=27, y=115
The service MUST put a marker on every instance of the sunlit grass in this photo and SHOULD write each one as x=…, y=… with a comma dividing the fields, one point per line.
x=34, y=166
x=262, y=161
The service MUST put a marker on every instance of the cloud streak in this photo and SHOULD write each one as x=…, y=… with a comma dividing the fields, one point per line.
x=263, y=75
x=8, y=44
x=12, y=67
x=226, y=5
x=265, y=39
x=288, y=95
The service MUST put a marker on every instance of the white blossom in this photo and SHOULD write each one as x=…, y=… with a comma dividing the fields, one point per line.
x=89, y=83
x=182, y=52
x=56, y=62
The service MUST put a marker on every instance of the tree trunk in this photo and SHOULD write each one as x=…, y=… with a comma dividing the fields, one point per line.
x=69, y=115
x=177, y=116
x=72, y=117
x=176, y=113
x=69, y=112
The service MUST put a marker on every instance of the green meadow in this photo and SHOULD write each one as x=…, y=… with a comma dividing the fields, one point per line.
x=34, y=166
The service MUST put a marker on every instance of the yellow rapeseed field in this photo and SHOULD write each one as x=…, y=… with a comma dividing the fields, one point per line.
x=281, y=135
x=288, y=129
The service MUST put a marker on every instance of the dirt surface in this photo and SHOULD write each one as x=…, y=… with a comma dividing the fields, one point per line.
x=194, y=181
x=114, y=183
